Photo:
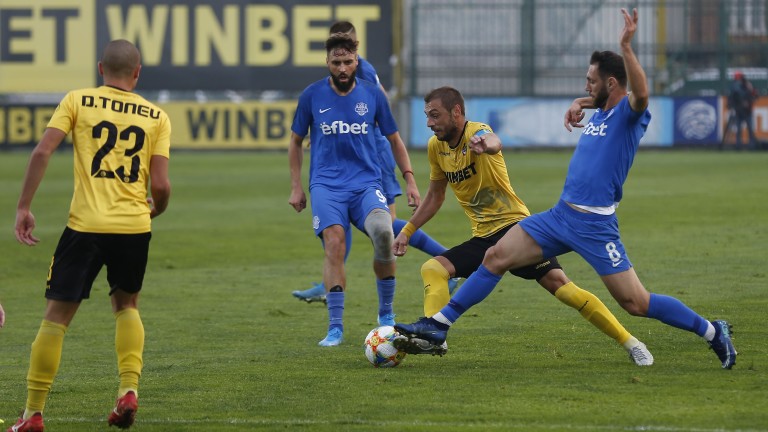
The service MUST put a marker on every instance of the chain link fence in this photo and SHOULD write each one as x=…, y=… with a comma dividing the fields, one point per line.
x=542, y=47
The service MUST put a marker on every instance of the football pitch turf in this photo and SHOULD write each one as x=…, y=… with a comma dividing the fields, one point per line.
x=228, y=348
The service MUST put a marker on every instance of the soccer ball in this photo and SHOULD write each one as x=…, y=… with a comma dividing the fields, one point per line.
x=379, y=349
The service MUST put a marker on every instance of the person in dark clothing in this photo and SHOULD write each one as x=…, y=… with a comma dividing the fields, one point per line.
x=740, y=100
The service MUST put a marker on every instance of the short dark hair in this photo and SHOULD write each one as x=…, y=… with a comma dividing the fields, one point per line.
x=449, y=97
x=340, y=40
x=342, y=27
x=120, y=58
x=610, y=64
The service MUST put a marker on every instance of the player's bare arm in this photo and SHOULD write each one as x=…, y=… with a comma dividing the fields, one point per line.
x=404, y=163
x=428, y=208
x=575, y=113
x=487, y=143
x=38, y=163
x=298, y=199
x=160, y=185
x=638, y=84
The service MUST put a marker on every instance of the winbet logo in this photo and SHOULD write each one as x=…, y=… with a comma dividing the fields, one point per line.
x=341, y=127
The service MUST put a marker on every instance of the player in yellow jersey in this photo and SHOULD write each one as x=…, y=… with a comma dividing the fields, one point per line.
x=467, y=156
x=121, y=146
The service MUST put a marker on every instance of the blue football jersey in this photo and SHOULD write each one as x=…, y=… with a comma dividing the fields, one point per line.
x=604, y=154
x=344, y=152
x=366, y=71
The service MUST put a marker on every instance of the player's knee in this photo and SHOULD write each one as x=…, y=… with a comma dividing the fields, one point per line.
x=493, y=262
x=334, y=245
x=634, y=306
x=378, y=226
x=553, y=280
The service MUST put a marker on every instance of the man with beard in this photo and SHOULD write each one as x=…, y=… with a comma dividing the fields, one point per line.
x=467, y=155
x=340, y=112
x=389, y=181
x=584, y=220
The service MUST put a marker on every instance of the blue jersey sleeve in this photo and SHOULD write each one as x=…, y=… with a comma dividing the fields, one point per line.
x=384, y=118
x=303, y=116
x=366, y=71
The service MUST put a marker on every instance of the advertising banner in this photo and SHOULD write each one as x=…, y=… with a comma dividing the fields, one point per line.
x=697, y=121
x=531, y=122
x=23, y=124
x=759, y=122
x=210, y=125
x=53, y=45
x=231, y=125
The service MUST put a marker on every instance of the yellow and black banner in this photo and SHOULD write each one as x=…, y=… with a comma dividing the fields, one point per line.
x=23, y=124
x=53, y=46
x=210, y=125
x=231, y=125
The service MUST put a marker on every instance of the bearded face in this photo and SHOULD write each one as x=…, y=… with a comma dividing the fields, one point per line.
x=440, y=120
x=343, y=80
x=596, y=87
x=601, y=96
x=447, y=132
x=342, y=67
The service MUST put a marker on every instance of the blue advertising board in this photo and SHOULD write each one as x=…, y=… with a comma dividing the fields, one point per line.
x=697, y=121
x=536, y=122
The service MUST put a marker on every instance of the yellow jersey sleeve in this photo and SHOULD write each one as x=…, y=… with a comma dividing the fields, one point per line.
x=114, y=135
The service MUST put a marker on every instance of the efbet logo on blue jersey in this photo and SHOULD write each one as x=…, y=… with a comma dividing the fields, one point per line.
x=593, y=130
x=342, y=127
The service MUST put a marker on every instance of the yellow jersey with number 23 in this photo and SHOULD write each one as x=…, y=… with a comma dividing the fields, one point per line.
x=114, y=135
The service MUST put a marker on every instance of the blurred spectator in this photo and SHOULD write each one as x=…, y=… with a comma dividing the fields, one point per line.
x=740, y=101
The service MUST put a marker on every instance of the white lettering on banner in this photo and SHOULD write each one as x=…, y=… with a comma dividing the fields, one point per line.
x=593, y=130
x=341, y=127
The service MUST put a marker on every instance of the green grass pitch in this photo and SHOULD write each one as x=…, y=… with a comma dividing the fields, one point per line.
x=228, y=348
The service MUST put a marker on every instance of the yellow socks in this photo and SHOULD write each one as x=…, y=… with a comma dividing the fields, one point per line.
x=129, y=345
x=436, y=293
x=593, y=310
x=44, y=362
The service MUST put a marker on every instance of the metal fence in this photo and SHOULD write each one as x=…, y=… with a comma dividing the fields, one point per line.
x=542, y=47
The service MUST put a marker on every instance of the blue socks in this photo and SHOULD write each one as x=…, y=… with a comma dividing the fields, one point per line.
x=335, y=300
x=420, y=240
x=672, y=311
x=475, y=289
x=386, y=290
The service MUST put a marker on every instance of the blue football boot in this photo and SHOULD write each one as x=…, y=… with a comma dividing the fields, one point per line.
x=316, y=293
x=426, y=329
x=387, y=319
x=334, y=338
x=722, y=345
x=453, y=283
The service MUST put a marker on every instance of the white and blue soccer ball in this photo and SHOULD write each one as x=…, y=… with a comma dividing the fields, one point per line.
x=379, y=349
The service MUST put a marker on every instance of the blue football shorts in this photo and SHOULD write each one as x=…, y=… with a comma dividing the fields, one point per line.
x=331, y=207
x=595, y=237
